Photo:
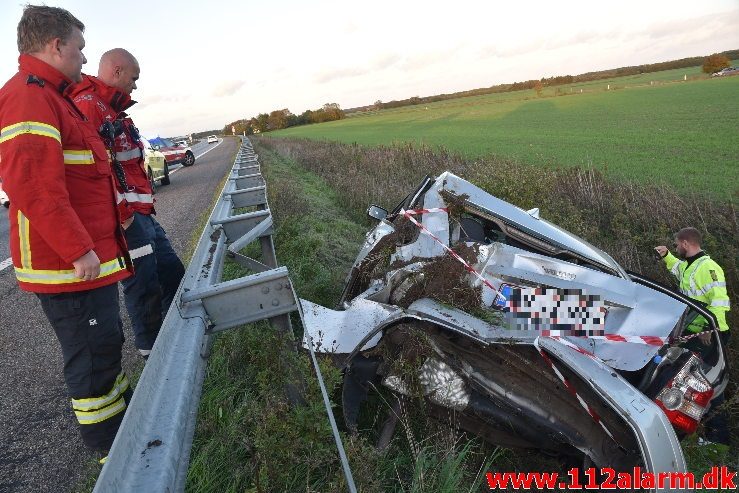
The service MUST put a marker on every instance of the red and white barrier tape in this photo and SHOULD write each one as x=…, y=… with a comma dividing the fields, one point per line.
x=648, y=340
x=569, y=386
x=575, y=347
x=651, y=340
x=416, y=212
x=692, y=336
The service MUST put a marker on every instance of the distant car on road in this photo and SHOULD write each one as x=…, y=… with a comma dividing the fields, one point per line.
x=212, y=139
x=174, y=153
x=155, y=165
x=726, y=71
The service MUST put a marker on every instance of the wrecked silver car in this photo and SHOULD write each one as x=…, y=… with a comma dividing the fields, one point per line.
x=530, y=336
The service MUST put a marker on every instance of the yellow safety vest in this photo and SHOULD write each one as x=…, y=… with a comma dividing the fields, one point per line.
x=704, y=281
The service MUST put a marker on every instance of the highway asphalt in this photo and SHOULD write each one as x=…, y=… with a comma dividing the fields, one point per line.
x=40, y=446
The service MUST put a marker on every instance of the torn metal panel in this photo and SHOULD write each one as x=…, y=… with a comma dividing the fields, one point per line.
x=522, y=219
x=425, y=246
x=333, y=331
x=633, y=309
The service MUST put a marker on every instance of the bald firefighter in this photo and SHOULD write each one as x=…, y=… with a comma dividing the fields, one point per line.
x=158, y=270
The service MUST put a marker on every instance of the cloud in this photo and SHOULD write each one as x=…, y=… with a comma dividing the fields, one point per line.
x=380, y=62
x=579, y=38
x=228, y=88
x=333, y=74
x=350, y=27
x=385, y=61
x=431, y=58
x=498, y=51
x=673, y=32
x=145, y=100
x=718, y=26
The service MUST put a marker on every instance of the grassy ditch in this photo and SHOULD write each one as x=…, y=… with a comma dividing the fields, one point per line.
x=626, y=219
x=249, y=438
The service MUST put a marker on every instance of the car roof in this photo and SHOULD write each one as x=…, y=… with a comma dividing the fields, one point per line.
x=525, y=221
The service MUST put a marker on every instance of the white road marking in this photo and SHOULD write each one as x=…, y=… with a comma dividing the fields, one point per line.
x=220, y=141
x=6, y=263
x=197, y=157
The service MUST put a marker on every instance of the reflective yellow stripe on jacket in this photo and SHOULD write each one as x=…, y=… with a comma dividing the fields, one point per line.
x=42, y=276
x=78, y=157
x=24, y=227
x=35, y=128
x=96, y=409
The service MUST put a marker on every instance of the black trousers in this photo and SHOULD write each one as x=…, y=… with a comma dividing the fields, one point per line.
x=90, y=332
x=157, y=275
x=717, y=428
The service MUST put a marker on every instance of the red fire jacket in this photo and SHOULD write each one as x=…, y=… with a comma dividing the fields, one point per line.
x=100, y=103
x=57, y=174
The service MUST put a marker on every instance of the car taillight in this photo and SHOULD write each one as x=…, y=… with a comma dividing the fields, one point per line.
x=685, y=398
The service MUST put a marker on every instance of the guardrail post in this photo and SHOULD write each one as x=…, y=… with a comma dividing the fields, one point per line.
x=152, y=449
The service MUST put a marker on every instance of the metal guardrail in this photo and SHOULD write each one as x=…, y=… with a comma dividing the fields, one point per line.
x=152, y=449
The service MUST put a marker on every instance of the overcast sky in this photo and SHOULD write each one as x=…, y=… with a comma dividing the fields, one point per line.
x=204, y=64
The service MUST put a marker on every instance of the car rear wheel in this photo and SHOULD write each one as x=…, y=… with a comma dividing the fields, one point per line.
x=189, y=159
x=165, y=178
x=152, y=181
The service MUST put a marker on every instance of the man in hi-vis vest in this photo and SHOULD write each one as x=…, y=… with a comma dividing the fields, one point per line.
x=701, y=278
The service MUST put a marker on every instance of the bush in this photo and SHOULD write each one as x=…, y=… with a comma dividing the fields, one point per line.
x=715, y=62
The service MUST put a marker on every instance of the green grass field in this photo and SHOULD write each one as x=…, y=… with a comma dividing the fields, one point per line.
x=650, y=127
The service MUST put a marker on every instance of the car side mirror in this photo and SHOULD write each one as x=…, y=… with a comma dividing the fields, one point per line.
x=155, y=147
x=376, y=212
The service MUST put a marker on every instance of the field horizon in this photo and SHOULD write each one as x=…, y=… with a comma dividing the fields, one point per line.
x=674, y=127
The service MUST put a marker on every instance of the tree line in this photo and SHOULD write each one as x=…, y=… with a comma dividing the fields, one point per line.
x=278, y=119
x=284, y=118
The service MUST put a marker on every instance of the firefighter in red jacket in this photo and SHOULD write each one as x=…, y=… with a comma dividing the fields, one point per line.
x=158, y=270
x=65, y=238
